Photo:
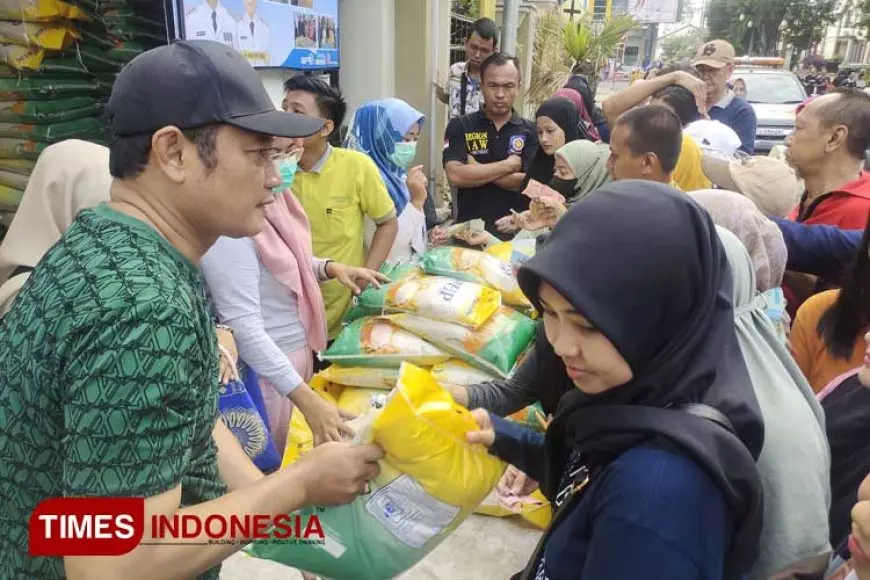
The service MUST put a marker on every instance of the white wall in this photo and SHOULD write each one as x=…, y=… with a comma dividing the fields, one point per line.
x=274, y=82
x=367, y=41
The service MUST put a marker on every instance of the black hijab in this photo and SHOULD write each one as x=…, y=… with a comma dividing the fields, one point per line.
x=565, y=115
x=643, y=263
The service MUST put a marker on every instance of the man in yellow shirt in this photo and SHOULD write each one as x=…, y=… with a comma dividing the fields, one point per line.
x=338, y=188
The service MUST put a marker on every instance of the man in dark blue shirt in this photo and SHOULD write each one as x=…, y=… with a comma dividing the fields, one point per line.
x=715, y=64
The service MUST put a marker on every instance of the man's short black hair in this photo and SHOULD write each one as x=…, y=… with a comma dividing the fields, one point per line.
x=654, y=129
x=487, y=29
x=678, y=66
x=852, y=109
x=499, y=59
x=128, y=156
x=329, y=101
x=681, y=100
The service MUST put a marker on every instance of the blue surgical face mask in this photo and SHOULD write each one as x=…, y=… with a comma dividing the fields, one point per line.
x=403, y=154
x=287, y=170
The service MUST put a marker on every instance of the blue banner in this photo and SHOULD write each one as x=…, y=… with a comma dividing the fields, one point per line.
x=297, y=34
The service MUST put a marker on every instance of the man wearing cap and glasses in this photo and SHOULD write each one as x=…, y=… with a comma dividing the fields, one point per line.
x=107, y=357
x=714, y=62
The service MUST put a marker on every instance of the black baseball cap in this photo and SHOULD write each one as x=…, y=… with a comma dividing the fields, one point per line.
x=193, y=83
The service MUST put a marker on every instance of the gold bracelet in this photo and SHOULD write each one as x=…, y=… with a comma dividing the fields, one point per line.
x=224, y=327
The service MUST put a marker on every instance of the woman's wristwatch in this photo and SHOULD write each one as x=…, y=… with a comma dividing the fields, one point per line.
x=326, y=269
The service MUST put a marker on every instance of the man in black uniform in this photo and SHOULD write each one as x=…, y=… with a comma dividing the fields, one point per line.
x=487, y=153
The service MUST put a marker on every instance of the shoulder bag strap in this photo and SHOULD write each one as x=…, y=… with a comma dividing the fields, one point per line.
x=707, y=412
x=463, y=88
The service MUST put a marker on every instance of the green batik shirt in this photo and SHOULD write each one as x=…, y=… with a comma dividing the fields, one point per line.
x=108, y=380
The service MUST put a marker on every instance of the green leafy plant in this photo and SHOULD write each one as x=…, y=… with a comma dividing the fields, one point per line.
x=563, y=48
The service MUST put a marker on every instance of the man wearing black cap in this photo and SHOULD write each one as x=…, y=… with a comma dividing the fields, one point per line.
x=108, y=367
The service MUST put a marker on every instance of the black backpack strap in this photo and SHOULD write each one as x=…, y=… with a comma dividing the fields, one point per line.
x=463, y=88
x=710, y=413
x=21, y=270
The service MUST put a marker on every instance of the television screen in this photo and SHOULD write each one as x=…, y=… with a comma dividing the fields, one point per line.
x=295, y=34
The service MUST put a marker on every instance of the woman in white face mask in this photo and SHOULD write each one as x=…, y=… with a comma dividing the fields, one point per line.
x=266, y=288
x=388, y=131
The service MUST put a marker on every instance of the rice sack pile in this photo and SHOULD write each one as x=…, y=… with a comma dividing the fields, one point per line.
x=430, y=481
x=58, y=61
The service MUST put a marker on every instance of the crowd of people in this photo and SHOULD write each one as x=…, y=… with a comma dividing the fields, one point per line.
x=818, y=82
x=704, y=352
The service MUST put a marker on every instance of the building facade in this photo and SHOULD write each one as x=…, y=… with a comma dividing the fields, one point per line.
x=843, y=38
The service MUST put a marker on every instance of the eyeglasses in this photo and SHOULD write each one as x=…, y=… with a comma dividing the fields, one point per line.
x=273, y=155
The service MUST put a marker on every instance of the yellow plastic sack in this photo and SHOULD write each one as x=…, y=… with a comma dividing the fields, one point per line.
x=430, y=481
x=22, y=57
x=475, y=266
x=54, y=36
x=456, y=373
x=370, y=378
x=514, y=252
x=446, y=299
x=300, y=439
x=39, y=10
x=351, y=399
x=533, y=508
x=10, y=197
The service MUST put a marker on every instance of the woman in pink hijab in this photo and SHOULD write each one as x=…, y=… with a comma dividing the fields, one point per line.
x=588, y=131
x=267, y=289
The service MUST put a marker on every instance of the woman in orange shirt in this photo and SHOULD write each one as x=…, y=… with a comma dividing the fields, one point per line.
x=827, y=337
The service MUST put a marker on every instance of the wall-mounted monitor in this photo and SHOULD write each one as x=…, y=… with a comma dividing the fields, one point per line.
x=294, y=34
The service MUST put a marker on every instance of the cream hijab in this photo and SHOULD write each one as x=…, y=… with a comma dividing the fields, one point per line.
x=795, y=461
x=68, y=177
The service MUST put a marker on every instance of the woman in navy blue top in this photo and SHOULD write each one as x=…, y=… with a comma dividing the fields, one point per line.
x=650, y=459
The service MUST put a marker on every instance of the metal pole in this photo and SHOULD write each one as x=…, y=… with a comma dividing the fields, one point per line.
x=510, y=23
x=434, y=32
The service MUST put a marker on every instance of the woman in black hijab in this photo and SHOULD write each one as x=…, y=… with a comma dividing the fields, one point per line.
x=650, y=459
x=558, y=123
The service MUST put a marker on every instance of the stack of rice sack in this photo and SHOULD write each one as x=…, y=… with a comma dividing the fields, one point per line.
x=457, y=318
x=33, y=86
x=58, y=61
x=459, y=310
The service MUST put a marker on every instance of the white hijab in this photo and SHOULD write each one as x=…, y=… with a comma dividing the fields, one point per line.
x=68, y=177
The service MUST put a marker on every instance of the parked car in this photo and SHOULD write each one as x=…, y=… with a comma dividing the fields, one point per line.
x=774, y=94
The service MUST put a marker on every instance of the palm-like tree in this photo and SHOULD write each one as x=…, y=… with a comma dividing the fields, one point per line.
x=563, y=48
